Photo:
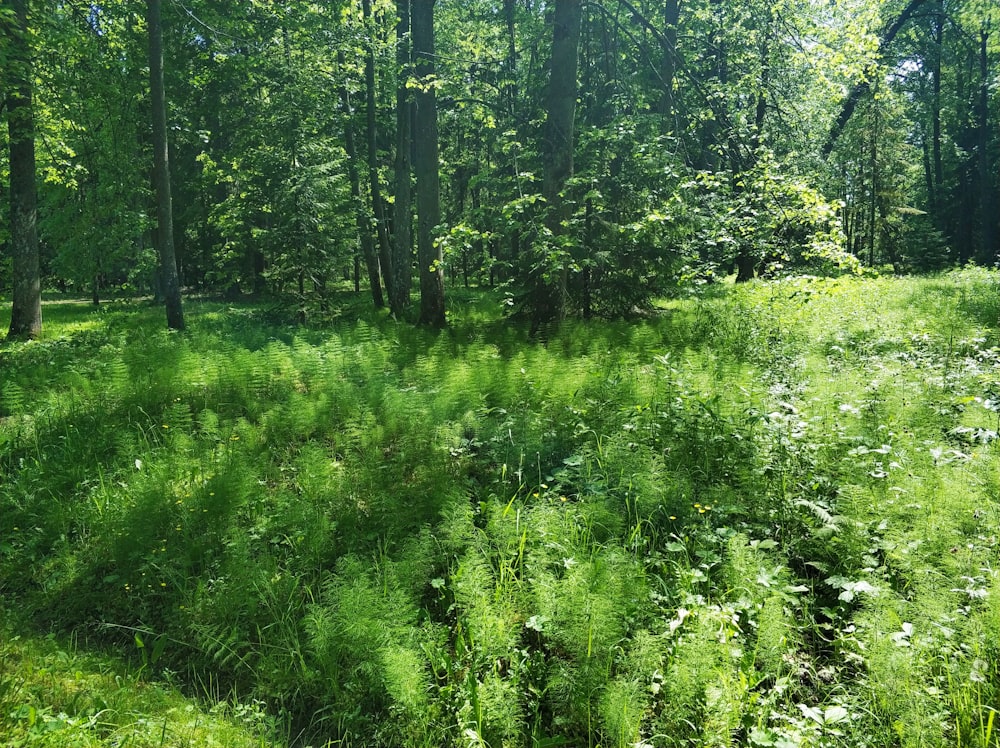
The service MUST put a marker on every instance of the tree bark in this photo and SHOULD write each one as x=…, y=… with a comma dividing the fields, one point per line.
x=26, y=311
x=161, y=171
x=402, y=259
x=430, y=261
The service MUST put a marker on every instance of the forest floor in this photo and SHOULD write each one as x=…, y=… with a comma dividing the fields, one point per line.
x=765, y=517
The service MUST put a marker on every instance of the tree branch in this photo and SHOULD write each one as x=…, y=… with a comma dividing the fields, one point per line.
x=860, y=89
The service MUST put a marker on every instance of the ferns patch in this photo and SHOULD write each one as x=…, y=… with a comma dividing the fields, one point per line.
x=766, y=518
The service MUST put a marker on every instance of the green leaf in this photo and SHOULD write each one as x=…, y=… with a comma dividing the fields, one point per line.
x=835, y=714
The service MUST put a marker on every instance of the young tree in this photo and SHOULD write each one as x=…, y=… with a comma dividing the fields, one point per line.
x=26, y=313
x=161, y=171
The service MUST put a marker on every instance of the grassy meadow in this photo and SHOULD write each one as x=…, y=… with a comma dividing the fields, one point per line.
x=763, y=516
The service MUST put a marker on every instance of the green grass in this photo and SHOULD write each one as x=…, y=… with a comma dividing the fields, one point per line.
x=55, y=693
x=765, y=516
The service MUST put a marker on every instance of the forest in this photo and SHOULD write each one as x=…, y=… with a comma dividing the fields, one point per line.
x=583, y=157
x=499, y=373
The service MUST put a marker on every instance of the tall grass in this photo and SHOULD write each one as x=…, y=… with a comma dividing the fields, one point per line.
x=764, y=516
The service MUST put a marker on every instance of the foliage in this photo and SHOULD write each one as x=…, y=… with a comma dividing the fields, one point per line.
x=765, y=516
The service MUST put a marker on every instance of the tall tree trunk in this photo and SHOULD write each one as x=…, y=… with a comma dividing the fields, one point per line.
x=925, y=153
x=988, y=218
x=371, y=112
x=510, y=63
x=938, y=170
x=874, y=131
x=360, y=214
x=402, y=259
x=430, y=261
x=668, y=63
x=567, y=21
x=26, y=311
x=161, y=171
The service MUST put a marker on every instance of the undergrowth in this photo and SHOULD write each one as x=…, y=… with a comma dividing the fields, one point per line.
x=765, y=516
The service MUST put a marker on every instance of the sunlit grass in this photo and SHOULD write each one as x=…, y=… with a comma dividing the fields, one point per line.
x=52, y=693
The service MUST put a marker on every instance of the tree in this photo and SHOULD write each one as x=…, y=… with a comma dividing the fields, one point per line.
x=430, y=260
x=161, y=171
x=860, y=89
x=567, y=15
x=26, y=312
x=399, y=297
x=987, y=215
x=361, y=214
x=93, y=202
x=371, y=131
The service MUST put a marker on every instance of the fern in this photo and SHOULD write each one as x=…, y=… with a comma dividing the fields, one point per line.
x=12, y=399
x=830, y=522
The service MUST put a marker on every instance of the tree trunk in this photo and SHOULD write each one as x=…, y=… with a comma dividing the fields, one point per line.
x=360, y=214
x=668, y=63
x=938, y=171
x=567, y=22
x=161, y=171
x=925, y=153
x=26, y=312
x=371, y=112
x=402, y=259
x=510, y=63
x=988, y=218
x=874, y=130
x=430, y=261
